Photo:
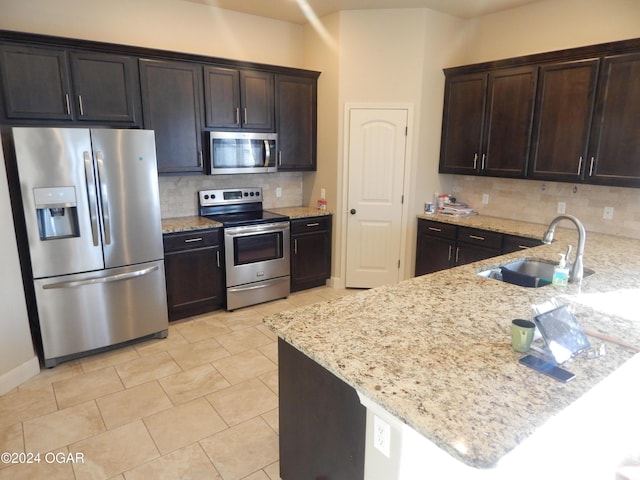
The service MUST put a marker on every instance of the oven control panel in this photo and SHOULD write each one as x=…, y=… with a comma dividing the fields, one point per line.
x=229, y=196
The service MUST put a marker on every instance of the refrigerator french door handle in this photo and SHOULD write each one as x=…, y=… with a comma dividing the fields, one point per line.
x=267, y=153
x=104, y=194
x=111, y=278
x=91, y=194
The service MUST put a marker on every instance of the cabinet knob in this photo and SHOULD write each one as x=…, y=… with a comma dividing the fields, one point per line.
x=352, y=211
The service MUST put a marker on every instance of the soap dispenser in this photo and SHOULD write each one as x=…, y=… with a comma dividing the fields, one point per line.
x=561, y=272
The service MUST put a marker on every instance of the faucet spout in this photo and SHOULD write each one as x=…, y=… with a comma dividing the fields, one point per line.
x=577, y=268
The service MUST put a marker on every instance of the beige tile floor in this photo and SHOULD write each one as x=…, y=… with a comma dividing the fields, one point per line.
x=200, y=404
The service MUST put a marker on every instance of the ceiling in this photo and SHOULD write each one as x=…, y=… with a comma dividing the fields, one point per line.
x=292, y=10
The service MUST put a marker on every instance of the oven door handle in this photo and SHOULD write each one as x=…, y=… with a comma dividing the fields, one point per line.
x=253, y=229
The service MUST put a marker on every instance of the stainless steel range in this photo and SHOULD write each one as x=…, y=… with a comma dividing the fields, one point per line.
x=256, y=244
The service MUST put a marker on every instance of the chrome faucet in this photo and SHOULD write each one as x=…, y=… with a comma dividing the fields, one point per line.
x=577, y=268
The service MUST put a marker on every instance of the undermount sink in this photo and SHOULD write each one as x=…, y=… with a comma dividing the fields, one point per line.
x=525, y=272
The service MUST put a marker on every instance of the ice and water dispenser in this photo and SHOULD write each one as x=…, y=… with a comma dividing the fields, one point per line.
x=56, y=209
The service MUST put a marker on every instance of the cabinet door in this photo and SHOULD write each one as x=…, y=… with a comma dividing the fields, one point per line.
x=509, y=121
x=513, y=243
x=467, y=253
x=256, y=98
x=194, y=281
x=105, y=88
x=463, y=123
x=433, y=254
x=171, y=105
x=614, y=157
x=296, y=122
x=562, y=122
x=222, y=97
x=36, y=83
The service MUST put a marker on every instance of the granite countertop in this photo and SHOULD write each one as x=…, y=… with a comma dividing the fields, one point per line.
x=299, y=212
x=186, y=224
x=435, y=350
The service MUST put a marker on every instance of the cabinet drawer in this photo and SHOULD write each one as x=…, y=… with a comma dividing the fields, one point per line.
x=513, y=243
x=480, y=237
x=310, y=224
x=439, y=229
x=193, y=239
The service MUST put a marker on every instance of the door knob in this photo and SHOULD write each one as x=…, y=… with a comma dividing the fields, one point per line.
x=352, y=211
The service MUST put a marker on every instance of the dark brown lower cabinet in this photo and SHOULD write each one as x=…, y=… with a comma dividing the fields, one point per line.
x=322, y=422
x=310, y=252
x=194, y=272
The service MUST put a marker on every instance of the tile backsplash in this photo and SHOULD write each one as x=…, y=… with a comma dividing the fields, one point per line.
x=537, y=202
x=179, y=194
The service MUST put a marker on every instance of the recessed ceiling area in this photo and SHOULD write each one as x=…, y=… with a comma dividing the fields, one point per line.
x=294, y=10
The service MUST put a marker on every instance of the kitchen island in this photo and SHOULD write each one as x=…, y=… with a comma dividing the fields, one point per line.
x=434, y=354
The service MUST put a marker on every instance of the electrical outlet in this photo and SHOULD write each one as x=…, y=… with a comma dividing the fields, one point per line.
x=485, y=198
x=323, y=193
x=608, y=213
x=382, y=436
x=562, y=207
x=278, y=192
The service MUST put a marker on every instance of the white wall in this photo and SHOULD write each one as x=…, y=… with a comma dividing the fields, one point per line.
x=165, y=24
x=18, y=361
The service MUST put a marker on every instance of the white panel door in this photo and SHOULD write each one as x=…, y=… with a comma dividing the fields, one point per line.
x=376, y=163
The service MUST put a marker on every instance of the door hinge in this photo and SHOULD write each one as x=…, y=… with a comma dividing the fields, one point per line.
x=402, y=199
x=406, y=131
x=398, y=263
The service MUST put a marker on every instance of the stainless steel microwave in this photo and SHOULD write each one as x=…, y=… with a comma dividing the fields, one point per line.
x=243, y=152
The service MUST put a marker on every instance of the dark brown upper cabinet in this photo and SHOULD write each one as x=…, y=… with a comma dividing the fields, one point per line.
x=239, y=99
x=53, y=84
x=487, y=122
x=564, y=109
x=172, y=106
x=106, y=87
x=614, y=152
x=463, y=123
x=296, y=122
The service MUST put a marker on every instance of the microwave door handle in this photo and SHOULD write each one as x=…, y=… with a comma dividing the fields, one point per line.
x=267, y=153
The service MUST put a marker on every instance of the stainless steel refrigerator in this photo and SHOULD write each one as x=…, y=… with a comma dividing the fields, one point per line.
x=92, y=215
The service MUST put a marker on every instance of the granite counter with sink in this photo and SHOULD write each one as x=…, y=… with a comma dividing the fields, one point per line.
x=434, y=351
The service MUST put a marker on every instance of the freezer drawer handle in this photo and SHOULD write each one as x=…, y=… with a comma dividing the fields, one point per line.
x=112, y=278
x=91, y=193
x=104, y=194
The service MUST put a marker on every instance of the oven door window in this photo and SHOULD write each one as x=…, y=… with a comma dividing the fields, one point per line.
x=257, y=248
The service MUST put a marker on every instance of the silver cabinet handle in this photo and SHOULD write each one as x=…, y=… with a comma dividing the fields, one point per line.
x=457, y=254
x=484, y=156
x=315, y=224
x=591, y=166
x=218, y=258
x=245, y=116
x=475, y=161
x=579, y=164
x=435, y=229
x=237, y=115
x=200, y=158
x=450, y=251
x=66, y=101
x=195, y=239
x=91, y=193
x=81, y=105
x=280, y=158
x=104, y=195
x=295, y=246
x=477, y=237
